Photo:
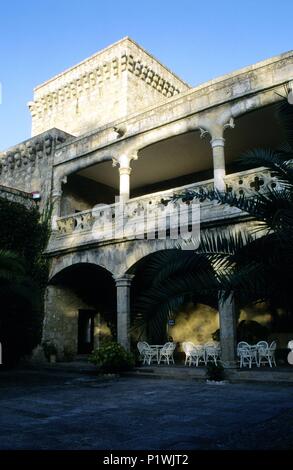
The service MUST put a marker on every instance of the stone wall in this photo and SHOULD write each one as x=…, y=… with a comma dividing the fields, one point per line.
x=28, y=166
x=113, y=83
x=61, y=318
x=60, y=325
x=17, y=196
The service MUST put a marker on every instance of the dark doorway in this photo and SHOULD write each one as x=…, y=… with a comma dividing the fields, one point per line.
x=86, y=319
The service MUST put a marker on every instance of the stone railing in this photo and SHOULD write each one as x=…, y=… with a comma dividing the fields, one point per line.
x=101, y=219
x=249, y=182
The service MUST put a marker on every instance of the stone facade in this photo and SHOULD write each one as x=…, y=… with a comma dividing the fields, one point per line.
x=108, y=110
x=28, y=167
x=14, y=195
x=118, y=81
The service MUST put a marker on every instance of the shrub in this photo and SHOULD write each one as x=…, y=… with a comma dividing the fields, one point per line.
x=216, y=335
x=49, y=349
x=215, y=372
x=112, y=357
x=251, y=331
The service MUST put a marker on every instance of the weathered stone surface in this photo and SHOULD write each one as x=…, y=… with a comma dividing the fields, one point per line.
x=28, y=166
x=14, y=195
x=61, y=319
x=120, y=80
x=110, y=108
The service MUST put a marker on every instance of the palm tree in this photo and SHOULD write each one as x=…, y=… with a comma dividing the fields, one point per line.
x=256, y=265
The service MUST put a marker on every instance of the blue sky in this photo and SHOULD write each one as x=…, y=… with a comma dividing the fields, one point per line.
x=199, y=40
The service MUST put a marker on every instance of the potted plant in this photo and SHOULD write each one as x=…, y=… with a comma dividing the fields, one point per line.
x=111, y=358
x=215, y=373
x=50, y=351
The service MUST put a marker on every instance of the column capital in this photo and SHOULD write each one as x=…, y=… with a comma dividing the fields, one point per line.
x=218, y=142
x=125, y=170
x=124, y=160
x=124, y=280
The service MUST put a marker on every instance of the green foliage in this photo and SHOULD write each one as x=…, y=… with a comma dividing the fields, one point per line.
x=216, y=335
x=12, y=267
x=251, y=331
x=247, y=330
x=111, y=357
x=215, y=372
x=25, y=233
x=23, y=276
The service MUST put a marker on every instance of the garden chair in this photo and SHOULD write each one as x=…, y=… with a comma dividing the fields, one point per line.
x=212, y=352
x=188, y=346
x=261, y=347
x=141, y=346
x=247, y=355
x=147, y=354
x=197, y=355
x=267, y=354
x=166, y=353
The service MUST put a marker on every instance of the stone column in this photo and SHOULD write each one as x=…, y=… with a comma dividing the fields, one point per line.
x=124, y=170
x=124, y=183
x=219, y=162
x=123, y=284
x=56, y=207
x=227, y=313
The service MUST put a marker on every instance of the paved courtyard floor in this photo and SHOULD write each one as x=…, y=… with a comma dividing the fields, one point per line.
x=47, y=410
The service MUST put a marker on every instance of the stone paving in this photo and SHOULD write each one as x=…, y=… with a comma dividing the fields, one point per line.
x=51, y=410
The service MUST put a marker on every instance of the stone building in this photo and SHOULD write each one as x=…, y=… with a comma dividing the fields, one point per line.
x=122, y=124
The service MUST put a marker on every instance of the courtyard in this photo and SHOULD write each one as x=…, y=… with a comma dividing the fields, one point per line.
x=45, y=410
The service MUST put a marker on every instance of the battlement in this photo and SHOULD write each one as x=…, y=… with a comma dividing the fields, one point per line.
x=117, y=81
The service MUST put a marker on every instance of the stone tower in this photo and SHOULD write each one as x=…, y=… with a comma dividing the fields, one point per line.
x=115, y=82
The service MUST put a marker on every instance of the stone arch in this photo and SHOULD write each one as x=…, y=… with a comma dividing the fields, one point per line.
x=61, y=263
x=66, y=168
x=196, y=319
x=140, y=249
x=80, y=307
x=118, y=259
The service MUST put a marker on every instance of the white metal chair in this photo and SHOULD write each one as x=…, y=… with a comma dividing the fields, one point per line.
x=247, y=355
x=197, y=355
x=142, y=346
x=147, y=354
x=267, y=354
x=166, y=353
x=187, y=347
x=212, y=352
x=261, y=347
